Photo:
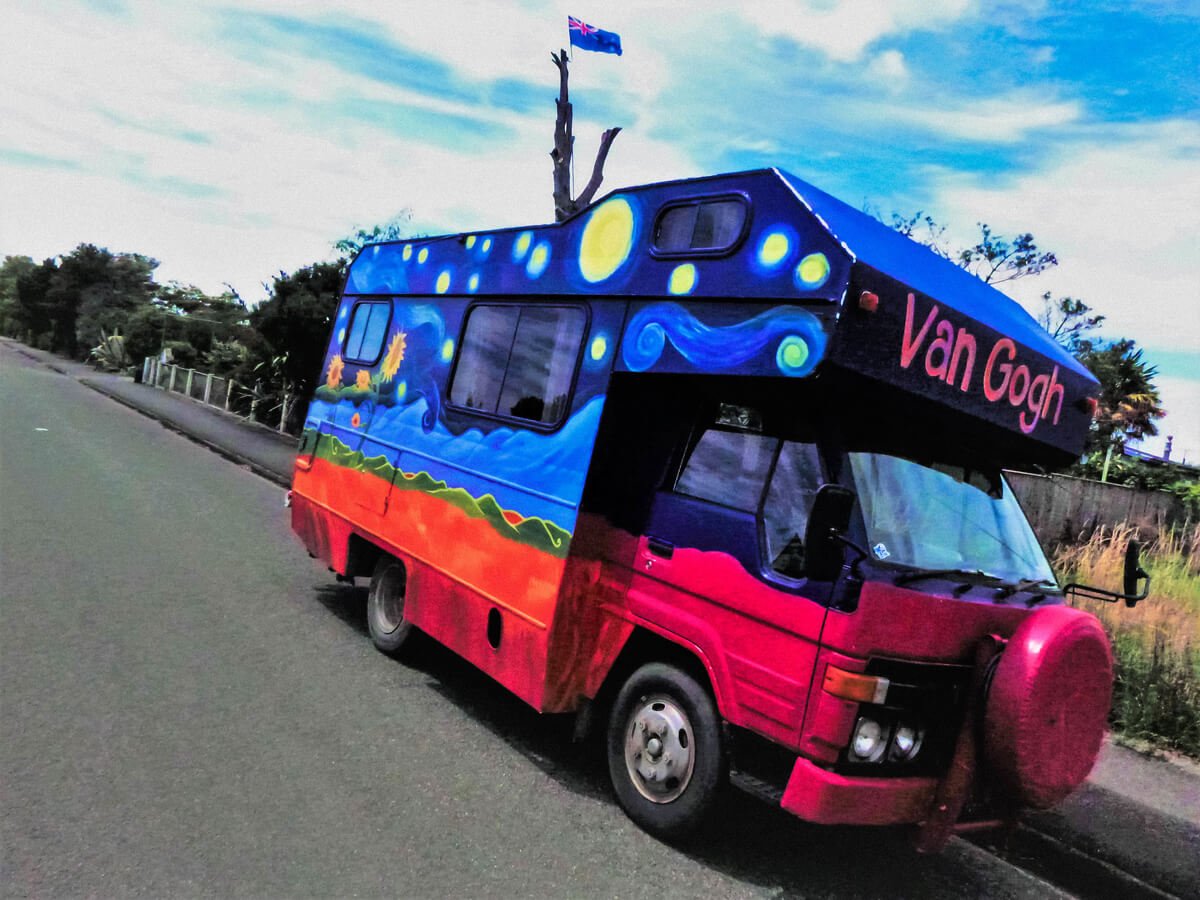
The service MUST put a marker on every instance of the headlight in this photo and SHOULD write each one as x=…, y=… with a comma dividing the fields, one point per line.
x=869, y=741
x=906, y=743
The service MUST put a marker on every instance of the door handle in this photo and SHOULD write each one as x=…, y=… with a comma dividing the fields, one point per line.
x=659, y=547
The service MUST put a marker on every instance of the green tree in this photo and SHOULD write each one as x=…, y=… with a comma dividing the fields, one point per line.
x=997, y=259
x=1071, y=322
x=188, y=321
x=10, y=272
x=1129, y=400
x=65, y=305
x=993, y=258
x=291, y=332
x=34, y=313
x=111, y=287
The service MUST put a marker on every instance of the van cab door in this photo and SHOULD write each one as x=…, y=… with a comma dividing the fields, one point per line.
x=721, y=566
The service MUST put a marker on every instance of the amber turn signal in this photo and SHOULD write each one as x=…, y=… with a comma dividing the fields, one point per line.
x=855, y=686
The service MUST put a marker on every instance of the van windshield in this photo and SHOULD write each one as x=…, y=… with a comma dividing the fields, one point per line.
x=939, y=516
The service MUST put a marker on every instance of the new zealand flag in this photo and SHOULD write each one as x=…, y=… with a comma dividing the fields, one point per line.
x=589, y=37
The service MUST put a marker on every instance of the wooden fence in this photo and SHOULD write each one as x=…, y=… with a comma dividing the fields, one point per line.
x=1062, y=508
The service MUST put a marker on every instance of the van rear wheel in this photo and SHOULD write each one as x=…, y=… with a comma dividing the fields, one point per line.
x=664, y=750
x=390, y=629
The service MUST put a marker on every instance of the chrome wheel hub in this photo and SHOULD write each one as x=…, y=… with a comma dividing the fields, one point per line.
x=659, y=748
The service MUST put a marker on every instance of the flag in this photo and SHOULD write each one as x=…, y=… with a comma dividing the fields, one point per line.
x=589, y=37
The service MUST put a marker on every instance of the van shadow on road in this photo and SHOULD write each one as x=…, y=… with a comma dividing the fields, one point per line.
x=748, y=840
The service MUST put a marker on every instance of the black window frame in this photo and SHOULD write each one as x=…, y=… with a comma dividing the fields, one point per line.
x=507, y=418
x=698, y=201
x=387, y=327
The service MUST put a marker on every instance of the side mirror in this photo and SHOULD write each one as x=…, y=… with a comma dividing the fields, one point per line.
x=1133, y=574
x=823, y=537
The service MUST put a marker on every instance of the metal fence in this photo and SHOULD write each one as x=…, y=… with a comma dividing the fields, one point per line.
x=252, y=403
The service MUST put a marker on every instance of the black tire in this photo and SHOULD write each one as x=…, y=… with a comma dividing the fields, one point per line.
x=668, y=788
x=390, y=631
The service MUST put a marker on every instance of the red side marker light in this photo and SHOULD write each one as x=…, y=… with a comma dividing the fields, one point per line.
x=868, y=302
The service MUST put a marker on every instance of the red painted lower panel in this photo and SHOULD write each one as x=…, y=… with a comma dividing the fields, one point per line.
x=458, y=618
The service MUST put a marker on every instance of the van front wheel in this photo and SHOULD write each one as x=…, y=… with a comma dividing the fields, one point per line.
x=390, y=629
x=664, y=750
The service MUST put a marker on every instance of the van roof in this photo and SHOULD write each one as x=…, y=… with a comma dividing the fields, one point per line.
x=876, y=302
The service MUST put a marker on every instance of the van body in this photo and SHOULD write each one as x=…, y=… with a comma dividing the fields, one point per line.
x=597, y=459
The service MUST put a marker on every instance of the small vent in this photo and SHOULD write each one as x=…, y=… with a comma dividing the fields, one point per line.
x=494, y=628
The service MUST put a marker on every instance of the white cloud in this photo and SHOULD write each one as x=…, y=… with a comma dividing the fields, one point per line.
x=1042, y=56
x=889, y=69
x=997, y=120
x=844, y=29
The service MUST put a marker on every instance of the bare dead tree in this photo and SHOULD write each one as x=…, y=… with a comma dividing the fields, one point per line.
x=564, y=148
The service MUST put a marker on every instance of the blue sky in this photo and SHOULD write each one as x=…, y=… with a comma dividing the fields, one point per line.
x=235, y=140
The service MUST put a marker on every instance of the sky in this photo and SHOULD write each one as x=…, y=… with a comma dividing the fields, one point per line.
x=232, y=141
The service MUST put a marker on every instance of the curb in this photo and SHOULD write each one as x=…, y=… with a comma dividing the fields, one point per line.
x=231, y=455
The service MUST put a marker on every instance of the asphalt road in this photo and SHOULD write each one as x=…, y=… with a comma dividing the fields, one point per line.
x=189, y=706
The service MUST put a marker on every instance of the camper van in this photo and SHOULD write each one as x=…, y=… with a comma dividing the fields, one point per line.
x=716, y=465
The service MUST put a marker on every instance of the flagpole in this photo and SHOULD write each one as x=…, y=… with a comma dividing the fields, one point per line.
x=571, y=58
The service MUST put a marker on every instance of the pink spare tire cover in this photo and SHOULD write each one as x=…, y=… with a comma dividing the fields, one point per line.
x=1047, y=707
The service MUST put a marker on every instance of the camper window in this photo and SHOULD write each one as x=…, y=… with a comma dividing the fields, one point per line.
x=711, y=225
x=518, y=362
x=368, y=326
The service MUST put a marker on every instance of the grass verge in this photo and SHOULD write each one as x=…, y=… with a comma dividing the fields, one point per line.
x=1156, y=646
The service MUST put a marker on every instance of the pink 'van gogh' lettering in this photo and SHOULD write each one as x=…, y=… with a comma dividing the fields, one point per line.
x=964, y=347
x=950, y=349
x=1043, y=391
x=910, y=347
x=995, y=392
x=940, y=348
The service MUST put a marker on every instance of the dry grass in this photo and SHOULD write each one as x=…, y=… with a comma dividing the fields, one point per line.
x=1156, y=645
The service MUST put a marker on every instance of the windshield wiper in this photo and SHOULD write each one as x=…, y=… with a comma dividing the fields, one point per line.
x=920, y=574
x=1008, y=589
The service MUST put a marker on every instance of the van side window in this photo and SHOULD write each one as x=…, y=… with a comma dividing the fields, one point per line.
x=519, y=362
x=795, y=483
x=728, y=467
x=486, y=345
x=368, y=327
x=710, y=225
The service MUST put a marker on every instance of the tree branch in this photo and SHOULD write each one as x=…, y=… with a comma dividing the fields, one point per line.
x=606, y=141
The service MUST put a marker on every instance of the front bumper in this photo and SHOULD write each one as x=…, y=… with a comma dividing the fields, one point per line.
x=819, y=795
